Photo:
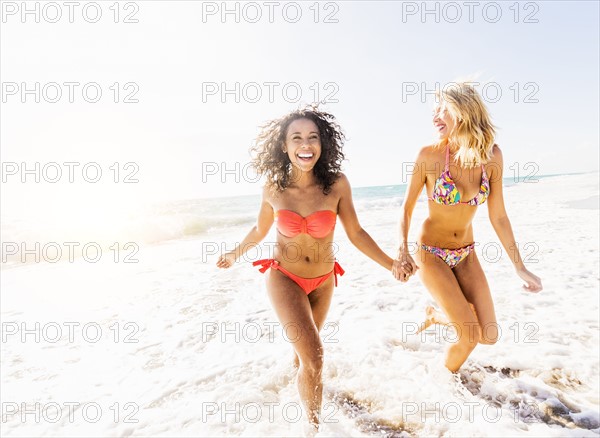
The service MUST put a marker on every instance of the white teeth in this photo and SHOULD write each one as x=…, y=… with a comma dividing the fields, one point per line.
x=305, y=155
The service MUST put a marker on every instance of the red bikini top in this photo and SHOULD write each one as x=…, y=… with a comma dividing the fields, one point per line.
x=318, y=224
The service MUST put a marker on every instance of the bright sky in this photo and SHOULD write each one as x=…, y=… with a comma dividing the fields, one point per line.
x=377, y=59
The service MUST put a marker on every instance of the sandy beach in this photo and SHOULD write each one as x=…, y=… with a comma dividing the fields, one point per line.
x=172, y=346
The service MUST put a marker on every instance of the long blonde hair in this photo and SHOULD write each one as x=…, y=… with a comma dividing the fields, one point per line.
x=473, y=132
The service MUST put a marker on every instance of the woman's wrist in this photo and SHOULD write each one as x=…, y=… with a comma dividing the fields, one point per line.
x=403, y=248
x=520, y=267
x=389, y=263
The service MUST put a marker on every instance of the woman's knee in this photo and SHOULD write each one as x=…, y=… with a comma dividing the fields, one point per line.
x=312, y=361
x=468, y=334
x=490, y=333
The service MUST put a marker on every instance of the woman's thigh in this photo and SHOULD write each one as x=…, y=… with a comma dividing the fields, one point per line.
x=444, y=287
x=475, y=287
x=294, y=311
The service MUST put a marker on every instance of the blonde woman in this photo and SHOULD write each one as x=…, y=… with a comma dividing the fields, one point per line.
x=445, y=258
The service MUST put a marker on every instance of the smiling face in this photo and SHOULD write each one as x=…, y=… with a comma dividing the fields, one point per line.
x=442, y=121
x=303, y=144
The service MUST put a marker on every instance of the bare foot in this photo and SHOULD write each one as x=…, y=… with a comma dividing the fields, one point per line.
x=432, y=316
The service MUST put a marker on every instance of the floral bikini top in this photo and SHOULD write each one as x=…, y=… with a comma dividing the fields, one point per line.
x=445, y=191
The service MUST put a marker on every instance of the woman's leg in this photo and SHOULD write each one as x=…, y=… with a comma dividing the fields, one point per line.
x=439, y=279
x=433, y=316
x=474, y=285
x=295, y=313
x=320, y=300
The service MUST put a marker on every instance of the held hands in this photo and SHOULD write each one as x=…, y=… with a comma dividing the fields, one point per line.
x=534, y=283
x=404, y=266
x=226, y=260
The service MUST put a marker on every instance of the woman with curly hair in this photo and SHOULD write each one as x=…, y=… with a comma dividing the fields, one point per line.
x=301, y=155
x=445, y=256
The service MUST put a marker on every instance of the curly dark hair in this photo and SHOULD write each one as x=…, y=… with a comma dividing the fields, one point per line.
x=270, y=160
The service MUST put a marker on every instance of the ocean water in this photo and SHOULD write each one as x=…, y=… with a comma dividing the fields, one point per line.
x=156, y=223
x=166, y=344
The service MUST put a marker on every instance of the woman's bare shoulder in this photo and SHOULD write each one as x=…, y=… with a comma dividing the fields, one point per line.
x=429, y=152
x=341, y=185
x=269, y=195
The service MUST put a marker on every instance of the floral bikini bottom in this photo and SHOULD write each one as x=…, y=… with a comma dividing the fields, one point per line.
x=452, y=257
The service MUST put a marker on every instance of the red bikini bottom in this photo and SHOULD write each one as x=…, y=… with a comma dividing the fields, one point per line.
x=307, y=284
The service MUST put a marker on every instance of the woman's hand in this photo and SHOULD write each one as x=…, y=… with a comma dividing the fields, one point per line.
x=398, y=272
x=226, y=260
x=534, y=283
x=404, y=266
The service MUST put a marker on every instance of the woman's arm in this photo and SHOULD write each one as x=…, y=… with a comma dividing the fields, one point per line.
x=254, y=237
x=501, y=223
x=357, y=235
x=413, y=191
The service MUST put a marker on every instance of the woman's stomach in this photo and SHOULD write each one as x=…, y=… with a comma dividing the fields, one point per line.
x=450, y=228
x=306, y=256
